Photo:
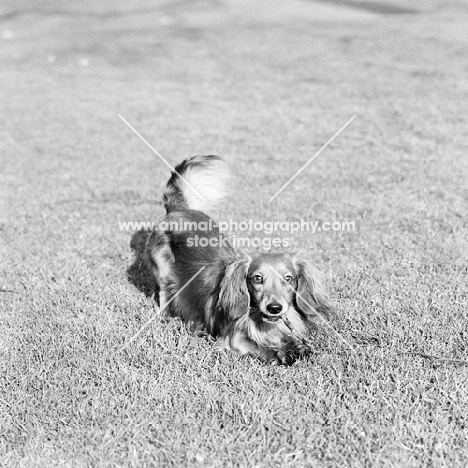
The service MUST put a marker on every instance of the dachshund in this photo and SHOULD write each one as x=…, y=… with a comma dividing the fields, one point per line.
x=263, y=305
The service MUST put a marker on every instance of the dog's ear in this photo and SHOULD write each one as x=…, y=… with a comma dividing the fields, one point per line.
x=311, y=295
x=234, y=297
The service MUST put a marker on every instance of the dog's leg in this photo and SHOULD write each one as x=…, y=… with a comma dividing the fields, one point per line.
x=164, y=311
x=243, y=345
x=161, y=260
x=293, y=349
x=239, y=342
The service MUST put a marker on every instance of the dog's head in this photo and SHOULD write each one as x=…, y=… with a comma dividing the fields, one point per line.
x=269, y=285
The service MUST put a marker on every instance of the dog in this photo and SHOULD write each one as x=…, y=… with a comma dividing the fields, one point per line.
x=263, y=305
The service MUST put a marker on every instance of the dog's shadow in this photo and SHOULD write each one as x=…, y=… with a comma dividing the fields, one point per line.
x=138, y=273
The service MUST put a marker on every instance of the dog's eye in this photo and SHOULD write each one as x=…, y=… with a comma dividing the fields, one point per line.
x=257, y=279
x=288, y=278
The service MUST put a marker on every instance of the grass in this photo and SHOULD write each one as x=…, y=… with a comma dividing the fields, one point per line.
x=266, y=87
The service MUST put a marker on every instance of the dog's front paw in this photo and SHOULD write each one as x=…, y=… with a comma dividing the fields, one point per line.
x=290, y=353
x=286, y=357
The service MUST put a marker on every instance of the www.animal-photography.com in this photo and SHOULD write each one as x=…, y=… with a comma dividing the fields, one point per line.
x=233, y=233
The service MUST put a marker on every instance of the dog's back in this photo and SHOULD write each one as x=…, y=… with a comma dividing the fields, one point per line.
x=190, y=245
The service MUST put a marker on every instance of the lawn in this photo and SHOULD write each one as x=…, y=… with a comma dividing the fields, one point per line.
x=264, y=84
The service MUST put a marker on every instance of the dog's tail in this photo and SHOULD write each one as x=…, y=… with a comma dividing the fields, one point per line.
x=198, y=183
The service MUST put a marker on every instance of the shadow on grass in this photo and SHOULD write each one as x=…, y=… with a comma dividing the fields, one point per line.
x=138, y=273
x=381, y=8
x=84, y=12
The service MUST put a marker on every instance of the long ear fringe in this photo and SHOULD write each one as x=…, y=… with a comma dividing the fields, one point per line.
x=311, y=296
x=234, y=296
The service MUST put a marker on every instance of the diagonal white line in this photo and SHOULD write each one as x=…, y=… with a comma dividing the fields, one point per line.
x=160, y=157
x=312, y=158
x=161, y=309
x=321, y=318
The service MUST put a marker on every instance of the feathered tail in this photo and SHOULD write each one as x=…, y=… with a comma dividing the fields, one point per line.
x=198, y=183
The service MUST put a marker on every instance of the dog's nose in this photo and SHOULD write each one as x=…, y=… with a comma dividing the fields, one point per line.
x=274, y=308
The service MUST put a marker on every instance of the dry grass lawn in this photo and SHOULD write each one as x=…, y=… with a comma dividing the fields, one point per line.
x=264, y=84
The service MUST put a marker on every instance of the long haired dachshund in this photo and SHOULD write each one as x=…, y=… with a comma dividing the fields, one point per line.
x=263, y=306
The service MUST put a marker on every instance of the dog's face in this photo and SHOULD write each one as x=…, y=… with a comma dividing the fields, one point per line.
x=271, y=283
